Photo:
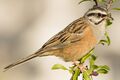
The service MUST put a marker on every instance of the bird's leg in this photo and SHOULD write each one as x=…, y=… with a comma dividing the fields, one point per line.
x=79, y=65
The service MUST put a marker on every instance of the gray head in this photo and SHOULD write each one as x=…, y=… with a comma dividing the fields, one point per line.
x=97, y=15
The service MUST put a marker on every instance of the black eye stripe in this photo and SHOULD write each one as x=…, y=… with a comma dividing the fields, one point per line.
x=91, y=14
x=103, y=15
x=98, y=14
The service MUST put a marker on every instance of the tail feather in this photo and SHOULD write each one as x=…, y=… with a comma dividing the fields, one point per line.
x=20, y=61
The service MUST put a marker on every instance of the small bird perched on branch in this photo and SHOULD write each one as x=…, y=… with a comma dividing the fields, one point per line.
x=76, y=40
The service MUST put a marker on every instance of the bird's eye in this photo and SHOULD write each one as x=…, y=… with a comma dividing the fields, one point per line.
x=101, y=15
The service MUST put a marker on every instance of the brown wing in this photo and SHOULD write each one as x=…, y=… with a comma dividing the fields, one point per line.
x=70, y=34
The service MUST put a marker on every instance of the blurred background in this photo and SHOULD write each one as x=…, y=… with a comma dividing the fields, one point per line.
x=25, y=25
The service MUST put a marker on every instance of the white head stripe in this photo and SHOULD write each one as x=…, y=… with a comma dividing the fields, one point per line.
x=97, y=11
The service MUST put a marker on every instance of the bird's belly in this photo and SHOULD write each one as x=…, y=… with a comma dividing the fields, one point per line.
x=77, y=50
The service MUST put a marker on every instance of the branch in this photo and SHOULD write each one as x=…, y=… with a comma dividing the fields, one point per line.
x=96, y=3
x=109, y=4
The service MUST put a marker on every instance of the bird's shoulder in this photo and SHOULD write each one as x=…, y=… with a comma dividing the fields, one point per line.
x=71, y=33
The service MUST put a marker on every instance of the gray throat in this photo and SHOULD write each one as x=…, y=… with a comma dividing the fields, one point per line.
x=98, y=29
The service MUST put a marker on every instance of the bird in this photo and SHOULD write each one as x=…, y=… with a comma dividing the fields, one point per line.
x=76, y=40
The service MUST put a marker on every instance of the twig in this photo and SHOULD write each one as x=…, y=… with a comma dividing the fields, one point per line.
x=109, y=4
x=96, y=3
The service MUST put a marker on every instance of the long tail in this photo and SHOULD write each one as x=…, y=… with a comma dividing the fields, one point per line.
x=20, y=61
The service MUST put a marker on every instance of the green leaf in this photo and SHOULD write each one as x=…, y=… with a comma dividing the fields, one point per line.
x=71, y=69
x=86, y=56
x=93, y=57
x=102, y=71
x=102, y=42
x=108, y=39
x=92, y=60
x=58, y=66
x=94, y=67
x=86, y=76
x=116, y=8
x=104, y=67
x=76, y=74
x=92, y=64
x=113, y=0
x=108, y=23
x=101, y=0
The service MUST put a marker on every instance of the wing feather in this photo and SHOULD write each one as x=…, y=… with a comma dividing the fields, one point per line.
x=70, y=34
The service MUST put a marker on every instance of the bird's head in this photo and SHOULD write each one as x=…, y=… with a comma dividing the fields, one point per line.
x=97, y=15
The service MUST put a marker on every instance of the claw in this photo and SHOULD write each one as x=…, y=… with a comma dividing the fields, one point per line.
x=80, y=66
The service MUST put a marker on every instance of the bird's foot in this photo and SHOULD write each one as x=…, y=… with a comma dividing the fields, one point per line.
x=80, y=66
